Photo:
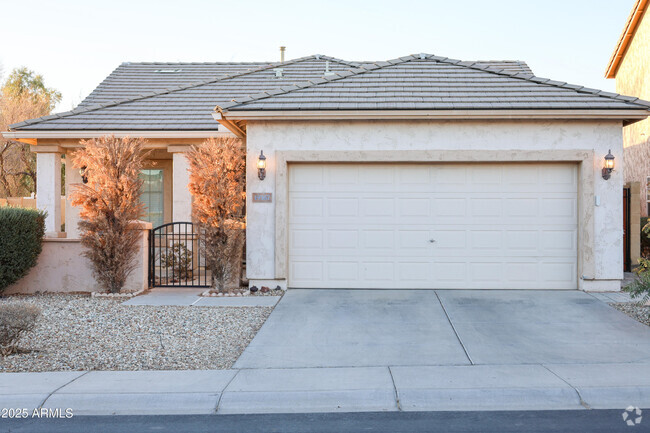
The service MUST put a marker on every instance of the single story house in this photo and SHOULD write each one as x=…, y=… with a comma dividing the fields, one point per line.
x=417, y=172
x=630, y=66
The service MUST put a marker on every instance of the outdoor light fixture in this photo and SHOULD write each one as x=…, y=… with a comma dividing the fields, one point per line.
x=82, y=173
x=609, y=165
x=261, y=165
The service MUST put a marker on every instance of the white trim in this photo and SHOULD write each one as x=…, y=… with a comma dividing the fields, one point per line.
x=626, y=114
x=95, y=134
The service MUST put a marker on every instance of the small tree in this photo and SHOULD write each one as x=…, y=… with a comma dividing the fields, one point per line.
x=110, y=204
x=22, y=96
x=217, y=181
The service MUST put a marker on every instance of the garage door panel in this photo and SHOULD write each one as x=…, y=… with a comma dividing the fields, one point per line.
x=417, y=175
x=556, y=242
x=342, y=271
x=306, y=207
x=522, y=207
x=346, y=239
x=307, y=178
x=301, y=239
x=378, y=207
x=494, y=225
x=487, y=272
x=414, y=207
x=378, y=271
x=413, y=271
x=450, y=207
x=450, y=272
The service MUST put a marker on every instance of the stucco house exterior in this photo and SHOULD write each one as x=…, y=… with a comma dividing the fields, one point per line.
x=417, y=172
x=630, y=66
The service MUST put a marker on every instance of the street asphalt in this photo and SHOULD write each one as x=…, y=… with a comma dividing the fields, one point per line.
x=567, y=421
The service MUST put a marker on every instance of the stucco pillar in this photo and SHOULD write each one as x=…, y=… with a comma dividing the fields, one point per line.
x=635, y=224
x=72, y=180
x=181, y=197
x=48, y=187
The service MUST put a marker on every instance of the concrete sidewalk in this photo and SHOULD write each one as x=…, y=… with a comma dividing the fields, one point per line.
x=405, y=388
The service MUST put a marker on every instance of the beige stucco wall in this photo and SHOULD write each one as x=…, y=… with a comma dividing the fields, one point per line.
x=605, y=249
x=61, y=267
x=633, y=79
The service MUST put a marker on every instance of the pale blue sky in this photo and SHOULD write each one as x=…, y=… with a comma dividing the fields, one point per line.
x=75, y=44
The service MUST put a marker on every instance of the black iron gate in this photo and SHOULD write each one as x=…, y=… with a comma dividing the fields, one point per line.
x=175, y=257
x=627, y=262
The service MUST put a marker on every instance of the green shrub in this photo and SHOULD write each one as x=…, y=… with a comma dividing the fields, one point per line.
x=645, y=239
x=21, y=237
x=640, y=287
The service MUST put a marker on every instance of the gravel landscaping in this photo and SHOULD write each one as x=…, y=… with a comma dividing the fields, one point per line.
x=638, y=312
x=78, y=332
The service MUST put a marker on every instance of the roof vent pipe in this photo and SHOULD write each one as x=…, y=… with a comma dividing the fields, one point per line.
x=282, y=53
x=327, y=69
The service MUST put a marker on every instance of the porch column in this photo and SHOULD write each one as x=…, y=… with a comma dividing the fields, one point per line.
x=72, y=181
x=48, y=187
x=182, y=199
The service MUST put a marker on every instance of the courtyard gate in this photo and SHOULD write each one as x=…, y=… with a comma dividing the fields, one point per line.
x=175, y=257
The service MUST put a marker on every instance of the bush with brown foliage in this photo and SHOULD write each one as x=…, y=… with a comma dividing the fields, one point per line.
x=110, y=204
x=16, y=319
x=217, y=184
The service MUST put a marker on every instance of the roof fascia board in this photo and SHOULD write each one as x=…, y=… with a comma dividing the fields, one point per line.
x=632, y=23
x=96, y=134
x=437, y=114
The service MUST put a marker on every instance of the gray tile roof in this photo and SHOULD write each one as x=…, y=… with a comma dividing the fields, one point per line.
x=182, y=96
x=427, y=82
x=177, y=96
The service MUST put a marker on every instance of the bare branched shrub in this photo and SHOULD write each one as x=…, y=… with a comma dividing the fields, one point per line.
x=16, y=319
x=178, y=260
x=217, y=182
x=110, y=205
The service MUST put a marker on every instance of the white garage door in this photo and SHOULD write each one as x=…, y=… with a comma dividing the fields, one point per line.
x=469, y=226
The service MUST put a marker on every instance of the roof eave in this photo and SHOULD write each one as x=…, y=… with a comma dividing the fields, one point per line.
x=626, y=37
x=618, y=114
x=41, y=134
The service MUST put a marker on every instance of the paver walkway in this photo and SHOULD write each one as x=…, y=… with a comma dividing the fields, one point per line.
x=191, y=296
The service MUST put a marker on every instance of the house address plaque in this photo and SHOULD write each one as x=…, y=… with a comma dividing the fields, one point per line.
x=262, y=197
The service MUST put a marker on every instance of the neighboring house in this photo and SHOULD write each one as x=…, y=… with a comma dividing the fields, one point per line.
x=418, y=172
x=630, y=66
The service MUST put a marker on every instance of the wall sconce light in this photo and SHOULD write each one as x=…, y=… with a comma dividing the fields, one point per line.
x=82, y=173
x=609, y=165
x=261, y=166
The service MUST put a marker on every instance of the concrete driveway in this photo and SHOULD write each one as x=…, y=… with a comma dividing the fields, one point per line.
x=344, y=328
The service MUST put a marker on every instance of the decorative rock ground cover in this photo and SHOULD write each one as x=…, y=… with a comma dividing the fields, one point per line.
x=636, y=311
x=253, y=291
x=78, y=332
